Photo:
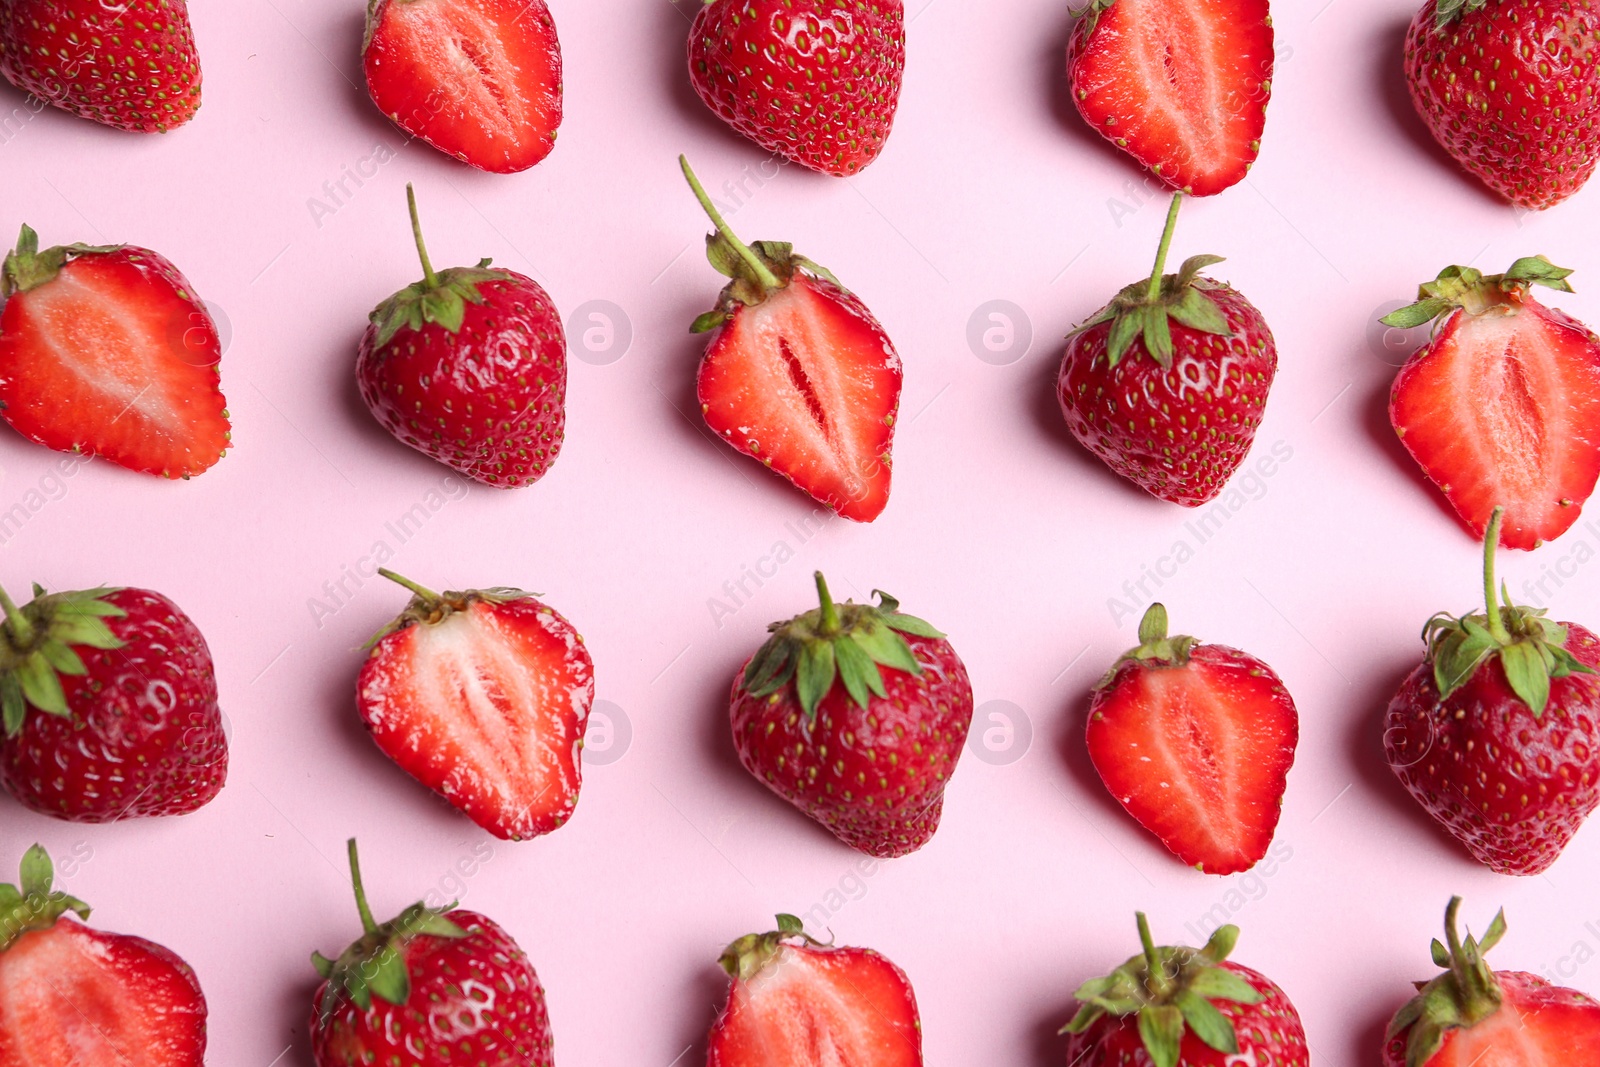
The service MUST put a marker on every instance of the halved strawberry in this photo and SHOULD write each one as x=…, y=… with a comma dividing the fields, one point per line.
x=482, y=696
x=1196, y=742
x=1502, y=405
x=1180, y=85
x=798, y=373
x=109, y=352
x=477, y=79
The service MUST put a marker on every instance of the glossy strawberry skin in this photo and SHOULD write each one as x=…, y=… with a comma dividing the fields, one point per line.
x=1512, y=92
x=1511, y=788
x=1178, y=433
x=71, y=995
x=131, y=66
x=473, y=1000
x=1559, y=1026
x=145, y=736
x=1269, y=1033
x=875, y=777
x=816, y=81
x=489, y=400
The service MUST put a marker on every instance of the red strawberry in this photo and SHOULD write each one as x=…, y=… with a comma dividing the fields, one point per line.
x=1502, y=405
x=469, y=366
x=798, y=374
x=109, y=352
x=429, y=988
x=1182, y=1007
x=477, y=79
x=1497, y=732
x=75, y=997
x=1168, y=383
x=482, y=696
x=816, y=81
x=796, y=1002
x=856, y=715
x=110, y=707
x=1196, y=742
x=1180, y=85
x=131, y=65
x=1471, y=1016
x=1509, y=88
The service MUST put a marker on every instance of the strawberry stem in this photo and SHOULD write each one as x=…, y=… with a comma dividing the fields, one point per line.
x=21, y=629
x=1153, y=293
x=422, y=591
x=1491, y=538
x=762, y=272
x=1156, y=972
x=830, y=611
x=416, y=231
x=368, y=923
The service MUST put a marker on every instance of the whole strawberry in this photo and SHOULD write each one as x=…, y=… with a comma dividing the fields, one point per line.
x=483, y=696
x=469, y=367
x=1511, y=90
x=1168, y=383
x=1181, y=87
x=856, y=715
x=1497, y=732
x=1196, y=742
x=1471, y=1015
x=795, y=1002
x=110, y=707
x=72, y=996
x=816, y=81
x=131, y=65
x=1501, y=407
x=430, y=989
x=798, y=374
x=107, y=351
x=1182, y=1007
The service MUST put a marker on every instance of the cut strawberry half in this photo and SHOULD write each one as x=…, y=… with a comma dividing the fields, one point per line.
x=477, y=79
x=1181, y=85
x=1502, y=405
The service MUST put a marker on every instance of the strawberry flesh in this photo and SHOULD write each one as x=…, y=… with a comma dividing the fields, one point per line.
x=1536, y=1025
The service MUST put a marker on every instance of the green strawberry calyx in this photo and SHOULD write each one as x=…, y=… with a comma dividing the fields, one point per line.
x=1476, y=292
x=757, y=270
x=1532, y=649
x=1447, y=11
x=32, y=904
x=26, y=267
x=375, y=965
x=428, y=608
x=1465, y=995
x=750, y=955
x=1156, y=649
x=37, y=646
x=1146, y=309
x=1171, y=991
x=439, y=299
x=846, y=642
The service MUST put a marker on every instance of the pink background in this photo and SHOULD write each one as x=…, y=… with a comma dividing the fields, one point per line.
x=999, y=530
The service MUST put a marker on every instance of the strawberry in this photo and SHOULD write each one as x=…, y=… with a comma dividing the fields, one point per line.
x=1180, y=85
x=798, y=374
x=1502, y=405
x=107, y=351
x=477, y=79
x=131, y=65
x=816, y=81
x=1497, y=732
x=1196, y=742
x=1509, y=88
x=1176, y=412
x=856, y=715
x=71, y=996
x=1182, y=1007
x=1471, y=1015
x=796, y=1002
x=469, y=366
x=430, y=988
x=482, y=696
x=109, y=703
